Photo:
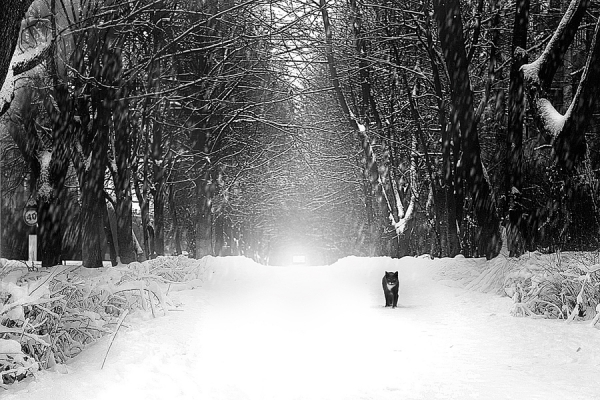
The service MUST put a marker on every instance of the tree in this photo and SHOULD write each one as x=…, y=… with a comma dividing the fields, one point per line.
x=471, y=178
x=121, y=176
x=362, y=127
x=377, y=209
x=515, y=228
x=13, y=12
x=45, y=150
x=567, y=131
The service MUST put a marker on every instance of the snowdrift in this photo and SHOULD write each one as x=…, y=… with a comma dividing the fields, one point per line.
x=50, y=316
x=558, y=285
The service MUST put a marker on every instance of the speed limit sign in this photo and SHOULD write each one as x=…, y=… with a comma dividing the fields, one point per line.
x=30, y=216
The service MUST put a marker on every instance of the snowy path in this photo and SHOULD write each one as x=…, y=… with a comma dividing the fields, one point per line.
x=259, y=333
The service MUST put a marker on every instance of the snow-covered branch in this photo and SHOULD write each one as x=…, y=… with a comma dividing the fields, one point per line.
x=404, y=216
x=20, y=64
x=540, y=72
x=567, y=131
x=538, y=75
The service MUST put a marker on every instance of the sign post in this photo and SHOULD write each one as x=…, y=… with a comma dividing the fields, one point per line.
x=30, y=216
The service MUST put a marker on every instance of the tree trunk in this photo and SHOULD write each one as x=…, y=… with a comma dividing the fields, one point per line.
x=204, y=193
x=471, y=168
x=375, y=192
x=450, y=190
x=95, y=144
x=235, y=240
x=219, y=234
x=151, y=240
x=51, y=211
x=108, y=233
x=157, y=18
x=444, y=196
x=158, y=177
x=49, y=232
x=93, y=205
x=142, y=196
x=515, y=225
x=13, y=12
x=122, y=181
x=175, y=220
x=159, y=219
x=123, y=211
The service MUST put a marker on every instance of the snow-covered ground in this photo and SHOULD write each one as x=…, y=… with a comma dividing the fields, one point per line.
x=258, y=332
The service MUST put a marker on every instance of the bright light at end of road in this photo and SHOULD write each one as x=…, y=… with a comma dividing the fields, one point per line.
x=299, y=259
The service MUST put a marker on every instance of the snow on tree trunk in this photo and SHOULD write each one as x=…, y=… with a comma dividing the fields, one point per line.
x=50, y=209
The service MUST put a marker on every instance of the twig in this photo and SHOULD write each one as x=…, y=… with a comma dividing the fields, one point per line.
x=57, y=270
x=575, y=311
x=151, y=303
x=597, y=317
x=24, y=328
x=114, y=335
x=550, y=304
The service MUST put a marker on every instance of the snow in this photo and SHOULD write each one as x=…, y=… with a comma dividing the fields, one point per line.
x=553, y=120
x=45, y=189
x=8, y=86
x=263, y=332
x=531, y=71
x=8, y=346
x=6, y=90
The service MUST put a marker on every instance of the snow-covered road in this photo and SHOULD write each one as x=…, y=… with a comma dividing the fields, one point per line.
x=256, y=332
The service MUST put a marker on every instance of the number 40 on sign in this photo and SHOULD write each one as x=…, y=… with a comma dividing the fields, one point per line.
x=30, y=216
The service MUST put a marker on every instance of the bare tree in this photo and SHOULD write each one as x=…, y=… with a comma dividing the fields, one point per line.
x=514, y=140
x=471, y=177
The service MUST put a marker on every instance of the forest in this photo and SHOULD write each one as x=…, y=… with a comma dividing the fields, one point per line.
x=139, y=128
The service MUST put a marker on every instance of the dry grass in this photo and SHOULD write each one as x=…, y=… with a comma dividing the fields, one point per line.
x=559, y=285
x=49, y=316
